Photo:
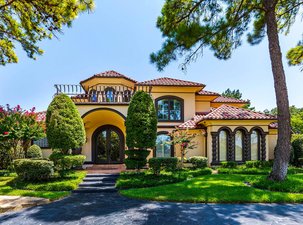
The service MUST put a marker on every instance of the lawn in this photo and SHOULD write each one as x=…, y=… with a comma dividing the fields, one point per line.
x=53, y=189
x=217, y=188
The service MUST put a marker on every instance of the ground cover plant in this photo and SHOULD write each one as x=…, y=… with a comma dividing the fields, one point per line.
x=52, y=189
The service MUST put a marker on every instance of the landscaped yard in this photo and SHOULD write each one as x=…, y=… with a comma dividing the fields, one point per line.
x=53, y=189
x=224, y=188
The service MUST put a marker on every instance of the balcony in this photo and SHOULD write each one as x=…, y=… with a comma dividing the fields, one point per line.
x=99, y=94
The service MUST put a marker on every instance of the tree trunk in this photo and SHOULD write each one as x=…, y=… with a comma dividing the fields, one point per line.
x=282, y=151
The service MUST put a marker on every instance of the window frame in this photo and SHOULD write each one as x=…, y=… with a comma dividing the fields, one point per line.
x=170, y=98
x=172, y=148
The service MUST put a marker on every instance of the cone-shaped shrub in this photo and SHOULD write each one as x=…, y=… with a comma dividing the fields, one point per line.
x=141, y=122
x=64, y=125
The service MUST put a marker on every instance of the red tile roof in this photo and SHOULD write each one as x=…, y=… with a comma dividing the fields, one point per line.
x=204, y=92
x=222, y=99
x=227, y=112
x=109, y=74
x=41, y=116
x=166, y=81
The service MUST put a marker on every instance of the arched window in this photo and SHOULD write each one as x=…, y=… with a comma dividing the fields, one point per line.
x=169, y=108
x=222, y=145
x=239, y=145
x=254, y=145
x=110, y=94
x=163, y=146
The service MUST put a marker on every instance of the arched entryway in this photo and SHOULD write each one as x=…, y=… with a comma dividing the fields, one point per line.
x=108, y=145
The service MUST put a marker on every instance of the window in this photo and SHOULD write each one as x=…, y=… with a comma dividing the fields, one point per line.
x=223, y=145
x=163, y=147
x=169, y=109
x=110, y=94
x=239, y=146
x=42, y=143
x=254, y=145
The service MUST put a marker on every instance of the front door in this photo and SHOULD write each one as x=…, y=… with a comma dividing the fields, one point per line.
x=108, y=145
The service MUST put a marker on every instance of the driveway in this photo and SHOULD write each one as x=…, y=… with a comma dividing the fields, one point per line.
x=111, y=208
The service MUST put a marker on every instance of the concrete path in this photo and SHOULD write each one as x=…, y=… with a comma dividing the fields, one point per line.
x=111, y=208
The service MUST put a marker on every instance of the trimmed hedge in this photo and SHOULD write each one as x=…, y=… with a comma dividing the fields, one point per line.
x=34, y=170
x=34, y=152
x=63, y=163
x=163, y=163
x=258, y=164
x=198, y=162
x=229, y=164
x=136, y=159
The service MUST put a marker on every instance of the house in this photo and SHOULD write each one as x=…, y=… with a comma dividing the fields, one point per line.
x=226, y=131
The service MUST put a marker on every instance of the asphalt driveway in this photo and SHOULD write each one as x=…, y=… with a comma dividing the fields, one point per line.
x=111, y=208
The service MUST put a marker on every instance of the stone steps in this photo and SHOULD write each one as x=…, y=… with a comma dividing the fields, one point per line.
x=98, y=183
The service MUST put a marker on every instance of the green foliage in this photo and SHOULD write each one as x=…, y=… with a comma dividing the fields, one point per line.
x=141, y=122
x=6, y=156
x=64, y=126
x=34, y=170
x=29, y=22
x=162, y=163
x=64, y=163
x=34, y=152
x=297, y=148
x=237, y=95
x=19, y=126
x=229, y=164
x=258, y=164
x=295, y=55
x=136, y=158
x=198, y=161
x=293, y=184
x=146, y=179
x=244, y=170
x=190, y=26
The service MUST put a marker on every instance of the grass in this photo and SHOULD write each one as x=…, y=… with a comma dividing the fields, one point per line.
x=147, y=179
x=255, y=171
x=53, y=189
x=219, y=188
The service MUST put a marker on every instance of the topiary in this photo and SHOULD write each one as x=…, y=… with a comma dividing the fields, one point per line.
x=64, y=163
x=141, y=122
x=64, y=126
x=229, y=164
x=136, y=159
x=163, y=163
x=34, y=152
x=34, y=170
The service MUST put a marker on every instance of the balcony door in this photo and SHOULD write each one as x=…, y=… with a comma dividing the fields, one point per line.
x=108, y=145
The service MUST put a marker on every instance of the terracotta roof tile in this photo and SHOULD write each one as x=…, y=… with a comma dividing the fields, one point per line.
x=109, y=74
x=166, y=81
x=204, y=92
x=226, y=112
x=222, y=99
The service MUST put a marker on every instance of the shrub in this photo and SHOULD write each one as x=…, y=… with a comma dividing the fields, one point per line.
x=34, y=152
x=64, y=163
x=229, y=164
x=258, y=164
x=198, y=161
x=64, y=126
x=34, y=170
x=297, y=149
x=6, y=157
x=158, y=164
x=141, y=122
x=136, y=158
x=198, y=172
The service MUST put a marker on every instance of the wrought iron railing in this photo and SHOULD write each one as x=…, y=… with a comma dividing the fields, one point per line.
x=105, y=94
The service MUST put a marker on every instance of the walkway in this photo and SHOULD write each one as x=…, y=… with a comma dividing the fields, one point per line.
x=111, y=208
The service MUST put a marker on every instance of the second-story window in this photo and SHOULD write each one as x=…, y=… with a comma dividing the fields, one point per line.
x=169, y=108
x=110, y=94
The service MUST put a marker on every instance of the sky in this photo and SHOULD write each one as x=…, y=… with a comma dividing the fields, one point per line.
x=120, y=35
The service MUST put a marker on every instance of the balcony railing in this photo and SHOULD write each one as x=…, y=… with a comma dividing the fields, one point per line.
x=103, y=94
